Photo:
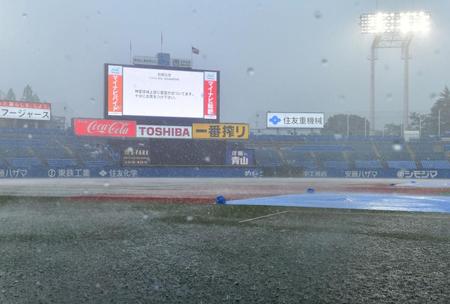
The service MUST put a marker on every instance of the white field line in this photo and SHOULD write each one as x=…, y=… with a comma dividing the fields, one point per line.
x=264, y=216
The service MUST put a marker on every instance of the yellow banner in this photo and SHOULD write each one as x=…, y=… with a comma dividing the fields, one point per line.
x=220, y=131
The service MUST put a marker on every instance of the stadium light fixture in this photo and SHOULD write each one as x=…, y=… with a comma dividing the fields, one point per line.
x=395, y=22
x=393, y=30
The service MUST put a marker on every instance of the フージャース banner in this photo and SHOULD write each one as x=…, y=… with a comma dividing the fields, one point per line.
x=25, y=110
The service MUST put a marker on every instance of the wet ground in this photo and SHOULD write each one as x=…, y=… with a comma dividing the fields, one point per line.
x=59, y=251
x=206, y=189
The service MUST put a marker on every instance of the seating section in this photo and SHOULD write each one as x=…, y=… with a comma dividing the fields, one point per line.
x=62, y=163
x=368, y=164
x=267, y=158
x=435, y=164
x=393, y=151
x=336, y=164
x=401, y=164
x=357, y=152
x=51, y=148
x=24, y=162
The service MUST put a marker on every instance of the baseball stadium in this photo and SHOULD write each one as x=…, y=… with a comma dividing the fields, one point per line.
x=159, y=191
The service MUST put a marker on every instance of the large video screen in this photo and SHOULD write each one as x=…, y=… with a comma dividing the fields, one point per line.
x=140, y=93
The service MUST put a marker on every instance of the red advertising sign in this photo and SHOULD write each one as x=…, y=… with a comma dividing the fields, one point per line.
x=104, y=128
x=25, y=104
x=115, y=90
x=210, y=96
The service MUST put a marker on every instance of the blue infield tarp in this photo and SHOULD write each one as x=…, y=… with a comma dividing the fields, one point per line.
x=387, y=202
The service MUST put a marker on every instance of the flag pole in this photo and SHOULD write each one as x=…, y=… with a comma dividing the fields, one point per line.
x=131, y=53
x=161, y=42
x=192, y=58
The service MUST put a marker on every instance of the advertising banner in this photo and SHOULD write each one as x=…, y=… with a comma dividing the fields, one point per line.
x=115, y=90
x=295, y=120
x=210, y=95
x=25, y=110
x=136, y=156
x=240, y=157
x=220, y=131
x=104, y=128
x=156, y=131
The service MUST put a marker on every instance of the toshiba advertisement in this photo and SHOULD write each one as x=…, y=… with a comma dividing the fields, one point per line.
x=137, y=93
x=177, y=132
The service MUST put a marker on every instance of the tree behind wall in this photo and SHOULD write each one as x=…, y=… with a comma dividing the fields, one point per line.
x=27, y=94
x=337, y=124
x=10, y=95
x=441, y=108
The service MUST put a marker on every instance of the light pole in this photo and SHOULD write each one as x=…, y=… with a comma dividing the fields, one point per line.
x=439, y=123
x=348, y=125
x=420, y=125
x=392, y=30
x=365, y=127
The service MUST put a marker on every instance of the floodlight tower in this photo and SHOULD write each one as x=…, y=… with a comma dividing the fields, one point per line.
x=393, y=30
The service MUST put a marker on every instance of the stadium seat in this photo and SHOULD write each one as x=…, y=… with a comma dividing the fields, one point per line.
x=435, y=164
x=368, y=164
x=401, y=164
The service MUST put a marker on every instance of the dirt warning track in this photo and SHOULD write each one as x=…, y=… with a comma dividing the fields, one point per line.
x=206, y=189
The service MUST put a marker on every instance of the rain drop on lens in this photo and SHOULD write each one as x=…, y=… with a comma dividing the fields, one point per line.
x=189, y=218
x=324, y=62
x=318, y=14
x=30, y=136
x=397, y=147
x=250, y=71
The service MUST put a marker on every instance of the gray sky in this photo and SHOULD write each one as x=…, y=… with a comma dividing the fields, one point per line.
x=306, y=55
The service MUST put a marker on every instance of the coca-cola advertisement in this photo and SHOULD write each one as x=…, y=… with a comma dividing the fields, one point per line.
x=104, y=128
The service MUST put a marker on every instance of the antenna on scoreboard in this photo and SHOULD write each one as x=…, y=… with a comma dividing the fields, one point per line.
x=131, y=53
x=161, y=42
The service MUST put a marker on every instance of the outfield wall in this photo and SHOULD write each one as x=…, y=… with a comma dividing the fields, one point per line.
x=123, y=172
